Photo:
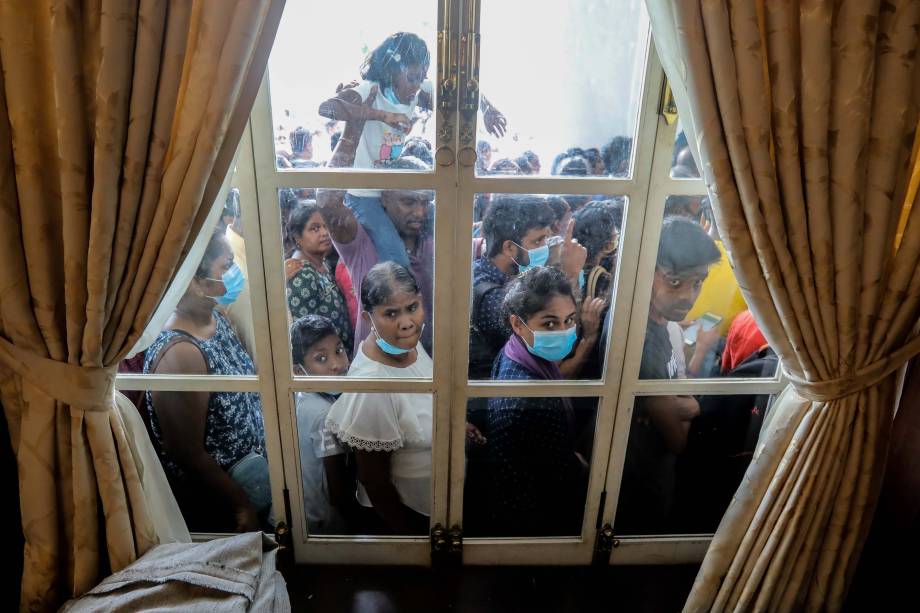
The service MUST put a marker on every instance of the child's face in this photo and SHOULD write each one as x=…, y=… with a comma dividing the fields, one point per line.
x=326, y=358
x=407, y=81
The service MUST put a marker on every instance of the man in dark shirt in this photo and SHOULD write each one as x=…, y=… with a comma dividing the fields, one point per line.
x=513, y=225
x=660, y=424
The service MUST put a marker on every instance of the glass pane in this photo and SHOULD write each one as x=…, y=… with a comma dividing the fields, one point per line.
x=214, y=311
x=685, y=458
x=389, y=55
x=212, y=448
x=340, y=243
x=527, y=461
x=530, y=282
x=683, y=166
x=365, y=462
x=699, y=325
x=565, y=90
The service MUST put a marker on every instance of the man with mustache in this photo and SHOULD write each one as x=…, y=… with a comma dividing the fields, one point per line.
x=660, y=424
x=409, y=210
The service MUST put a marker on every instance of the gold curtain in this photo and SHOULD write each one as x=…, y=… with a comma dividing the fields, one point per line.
x=805, y=117
x=118, y=121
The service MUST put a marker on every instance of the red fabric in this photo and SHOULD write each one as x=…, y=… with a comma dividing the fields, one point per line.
x=343, y=280
x=744, y=339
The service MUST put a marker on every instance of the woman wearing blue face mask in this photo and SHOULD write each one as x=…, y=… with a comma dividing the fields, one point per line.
x=211, y=445
x=537, y=479
x=390, y=432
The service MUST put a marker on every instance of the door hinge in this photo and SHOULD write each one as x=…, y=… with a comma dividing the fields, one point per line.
x=604, y=544
x=446, y=546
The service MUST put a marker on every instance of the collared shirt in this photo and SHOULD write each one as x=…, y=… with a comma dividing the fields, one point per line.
x=490, y=318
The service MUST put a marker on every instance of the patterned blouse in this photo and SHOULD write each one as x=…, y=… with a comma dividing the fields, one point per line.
x=311, y=292
x=233, y=427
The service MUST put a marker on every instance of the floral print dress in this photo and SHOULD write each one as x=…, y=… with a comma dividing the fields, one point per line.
x=314, y=292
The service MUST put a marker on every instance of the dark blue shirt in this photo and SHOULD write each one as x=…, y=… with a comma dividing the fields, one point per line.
x=537, y=484
x=489, y=319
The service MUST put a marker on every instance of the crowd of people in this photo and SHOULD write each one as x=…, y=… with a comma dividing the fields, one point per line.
x=359, y=272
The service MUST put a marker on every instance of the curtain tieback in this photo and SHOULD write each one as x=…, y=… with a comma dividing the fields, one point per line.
x=863, y=378
x=86, y=388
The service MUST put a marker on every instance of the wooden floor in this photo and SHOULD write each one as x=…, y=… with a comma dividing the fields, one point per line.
x=356, y=589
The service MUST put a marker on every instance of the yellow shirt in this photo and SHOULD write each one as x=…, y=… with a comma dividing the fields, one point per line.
x=720, y=294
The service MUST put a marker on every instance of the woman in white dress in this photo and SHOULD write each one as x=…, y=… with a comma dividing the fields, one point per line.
x=390, y=432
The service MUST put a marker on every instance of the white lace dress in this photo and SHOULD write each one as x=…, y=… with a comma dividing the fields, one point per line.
x=399, y=423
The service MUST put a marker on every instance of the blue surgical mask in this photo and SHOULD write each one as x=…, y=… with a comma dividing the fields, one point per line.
x=552, y=346
x=234, y=281
x=390, y=95
x=388, y=347
x=535, y=257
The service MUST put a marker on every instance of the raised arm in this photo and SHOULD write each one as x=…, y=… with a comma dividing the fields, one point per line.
x=347, y=106
x=339, y=219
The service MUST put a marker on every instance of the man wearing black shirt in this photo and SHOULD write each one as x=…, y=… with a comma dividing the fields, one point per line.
x=660, y=424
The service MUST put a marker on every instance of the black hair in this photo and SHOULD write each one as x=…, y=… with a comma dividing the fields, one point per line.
x=306, y=332
x=482, y=145
x=214, y=250
x=397, y=51
x=505, y=166
x=559, y=207
x=531, y=157
x=595, y=224
x=681, y=206
x=232, y=204
x=575, y=166
x=530, y=292
x=296, y=223
x=511, y=216
x=684, y=245
x=300, y=140
x=524, y=164
x=418, y=148
x=593, y=155
x=616, y=154
x=382, y=281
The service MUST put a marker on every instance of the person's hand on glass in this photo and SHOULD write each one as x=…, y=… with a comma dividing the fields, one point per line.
x=343, y=86
x=706, y=339
x=591, y=311
x=473, y=435
x=573, y=256
x=494, y=121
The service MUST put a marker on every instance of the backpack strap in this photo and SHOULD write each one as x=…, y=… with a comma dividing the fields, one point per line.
x=591, y=282
x=479, y=291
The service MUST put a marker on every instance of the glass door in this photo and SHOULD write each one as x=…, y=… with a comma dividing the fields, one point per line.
x=556, y=137
x=372, y=84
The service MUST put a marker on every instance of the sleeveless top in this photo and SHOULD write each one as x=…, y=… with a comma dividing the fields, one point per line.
x=234, y=426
